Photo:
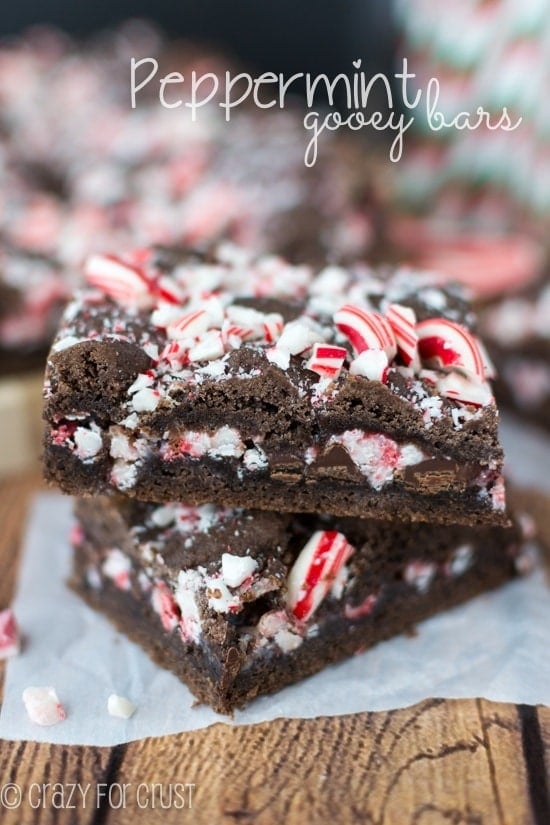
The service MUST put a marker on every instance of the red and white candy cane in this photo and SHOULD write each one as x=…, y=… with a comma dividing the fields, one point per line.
x=459, y=388
x=372, y=364
x=314, y=571
x=327, y=360
x=234, y=335
x=403, y=323
x=443, y=343
x=190, y=325
x=176, y=353
x=166, y=289
x=124, y=282
x=366, y=330
x=272, y=327
x=164, y=604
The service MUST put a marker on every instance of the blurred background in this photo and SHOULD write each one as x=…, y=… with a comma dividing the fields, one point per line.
x=272, y=35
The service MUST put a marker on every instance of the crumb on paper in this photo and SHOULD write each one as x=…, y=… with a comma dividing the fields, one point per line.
x=10, y=640
x=43, y=706
x=120, y=707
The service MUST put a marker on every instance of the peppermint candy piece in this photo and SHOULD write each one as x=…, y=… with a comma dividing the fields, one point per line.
x=9, y=634
x=176, y=353
x=372, y=364
x=120, y=706
x=191, y=325
x=459, y=388
x=314, y=571
x=327, y=360
x=233, y=335
x=236, y=569
x=443, y=343
x=366, y=330
x=299, y=335
x=255, y=325
x=208, y=348
x=165, y=606
x=403, y=323
x=169, y=291
x=272, y=327
x=43, y=706
x=123, y=281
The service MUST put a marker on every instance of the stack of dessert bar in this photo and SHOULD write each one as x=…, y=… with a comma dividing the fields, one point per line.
x=276, y=468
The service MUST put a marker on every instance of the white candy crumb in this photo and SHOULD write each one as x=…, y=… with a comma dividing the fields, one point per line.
x=236, y=569
x=88, y=443
x=120, y=707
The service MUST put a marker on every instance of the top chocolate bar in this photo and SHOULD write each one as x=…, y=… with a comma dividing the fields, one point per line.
x=246, y=381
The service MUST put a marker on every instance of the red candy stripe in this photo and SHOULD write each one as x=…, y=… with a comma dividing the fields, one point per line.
x=176, y=354
x=314, y=571
x=190, y=325
x=272, y=330
x=442, y=343
x=167, y=290
x=165, y=606
x=403, y=323
x=365, y=330
x=119, y=279
x=326, y=360
x=459, y=388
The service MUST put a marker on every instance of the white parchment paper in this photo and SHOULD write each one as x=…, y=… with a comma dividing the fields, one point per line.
x=495, y=647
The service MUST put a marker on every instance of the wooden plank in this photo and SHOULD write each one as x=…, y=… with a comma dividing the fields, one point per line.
x=14, y=501
x=51, y=784
x=437, y=762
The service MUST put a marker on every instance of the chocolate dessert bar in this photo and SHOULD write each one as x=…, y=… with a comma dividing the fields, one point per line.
x=250, y=382
x=239, y=603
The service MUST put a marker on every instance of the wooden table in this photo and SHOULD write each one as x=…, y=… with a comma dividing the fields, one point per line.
x=467, y=762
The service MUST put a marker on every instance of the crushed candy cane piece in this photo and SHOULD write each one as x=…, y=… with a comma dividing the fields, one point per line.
x=403, y=323
x=123, y=281
x=120, y=707
x=366, y=330
x=43, y=706
x=327, y=360
x=372, y=364
x=313, y=573
x=459, y=388
x=236, y=569
x=10, y=643
x=208, y=348
x=164, y=604
x=191, y=325
x=443, y=343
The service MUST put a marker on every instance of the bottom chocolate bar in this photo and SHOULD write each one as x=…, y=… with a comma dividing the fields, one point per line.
x=239, y=603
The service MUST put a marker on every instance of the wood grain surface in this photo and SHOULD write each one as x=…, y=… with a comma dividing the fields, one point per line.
x=468, y=762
